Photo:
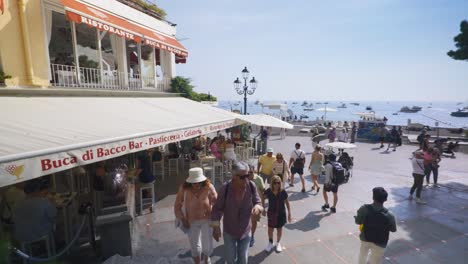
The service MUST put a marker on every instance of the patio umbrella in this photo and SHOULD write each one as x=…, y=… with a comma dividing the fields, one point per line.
x=319, y=138
x=326, y=109
x=340, y=145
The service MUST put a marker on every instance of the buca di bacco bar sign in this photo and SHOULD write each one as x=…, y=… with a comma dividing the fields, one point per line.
x=26, y=169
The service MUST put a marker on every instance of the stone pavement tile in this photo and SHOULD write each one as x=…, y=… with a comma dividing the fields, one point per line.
x=456, y=186
x=450, y=251
x=414, y=257
x=455, y=220
x=409, y=209
x=461, y=195
x=434, y=229
x=445, y=202
x=347, y=247
x=272, y=257
x=397, y=246
x=317, y=253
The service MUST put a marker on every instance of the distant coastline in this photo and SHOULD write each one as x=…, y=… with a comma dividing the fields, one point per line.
x=430, y=113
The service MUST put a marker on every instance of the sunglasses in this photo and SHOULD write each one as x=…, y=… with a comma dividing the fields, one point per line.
x=243, y=176
x=277, y=183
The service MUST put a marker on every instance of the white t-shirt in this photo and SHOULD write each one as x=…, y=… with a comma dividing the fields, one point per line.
x=418, y=166
x=328, y=173
x=298, y=153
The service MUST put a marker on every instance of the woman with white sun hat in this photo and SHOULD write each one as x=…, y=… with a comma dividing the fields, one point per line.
x=192, y=208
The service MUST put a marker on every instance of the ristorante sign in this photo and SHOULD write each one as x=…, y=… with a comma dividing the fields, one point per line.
x=77, y=18
x=26, y=169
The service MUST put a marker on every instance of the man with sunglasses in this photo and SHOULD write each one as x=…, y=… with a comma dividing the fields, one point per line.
x=237, y=202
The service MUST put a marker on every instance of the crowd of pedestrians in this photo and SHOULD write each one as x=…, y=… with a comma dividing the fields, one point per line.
x=253, y=192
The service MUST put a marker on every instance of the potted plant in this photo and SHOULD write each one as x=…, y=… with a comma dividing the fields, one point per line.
x=3, y=77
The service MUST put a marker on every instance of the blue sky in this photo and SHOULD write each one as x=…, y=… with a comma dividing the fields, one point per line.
x=324, y=50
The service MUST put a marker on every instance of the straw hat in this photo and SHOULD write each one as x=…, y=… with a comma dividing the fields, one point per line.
x=196, y=175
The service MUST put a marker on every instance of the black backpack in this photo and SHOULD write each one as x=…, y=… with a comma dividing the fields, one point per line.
x=299, y=161
x=338, y=173
x=376, y=226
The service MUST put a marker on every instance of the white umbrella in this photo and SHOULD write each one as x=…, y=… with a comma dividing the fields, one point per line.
x=340, y=145
x=326, y=109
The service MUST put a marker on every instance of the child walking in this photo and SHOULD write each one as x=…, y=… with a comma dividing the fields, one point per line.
x=277, y=203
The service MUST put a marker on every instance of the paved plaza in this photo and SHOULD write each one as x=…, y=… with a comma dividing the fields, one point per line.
x=432, y=233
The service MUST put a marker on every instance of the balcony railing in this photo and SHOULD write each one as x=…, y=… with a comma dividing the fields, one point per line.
x=67, y=76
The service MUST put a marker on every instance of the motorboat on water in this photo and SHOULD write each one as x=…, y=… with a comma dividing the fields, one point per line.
x=304, y=103
x=356, y=104
x=462, y=112
x=342, y=106
x=369, y=108
x=308, y=109
x=257, y=102
x=395, y=114
x=304, y=116
x=414, y=109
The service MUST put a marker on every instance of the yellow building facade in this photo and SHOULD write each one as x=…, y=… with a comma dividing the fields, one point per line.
x=86, y=44
x=22, y=44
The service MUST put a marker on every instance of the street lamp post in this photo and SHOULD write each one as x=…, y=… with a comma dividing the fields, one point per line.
x=245, y=89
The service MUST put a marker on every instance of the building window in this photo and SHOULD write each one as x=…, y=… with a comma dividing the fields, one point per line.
x=86, y=40
x=60, y=39
x=147, y=65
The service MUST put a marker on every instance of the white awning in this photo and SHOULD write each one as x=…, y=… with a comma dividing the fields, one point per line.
x=265, y=120
x=43, y=135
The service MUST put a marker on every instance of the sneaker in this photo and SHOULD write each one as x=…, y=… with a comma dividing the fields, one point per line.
x=333, y=209
x=278, y=247
x=436, y=185
x=269, y=247
x=252, y=242
x=325, y=206
x=419, y=201
x=303, y=190
x=318, y=189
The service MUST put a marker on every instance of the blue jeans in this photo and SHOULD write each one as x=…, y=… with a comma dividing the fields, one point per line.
x=237, y=250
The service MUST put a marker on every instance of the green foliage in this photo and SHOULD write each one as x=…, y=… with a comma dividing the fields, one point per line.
x=3, y=76
x=183, y=86
x=461, y=42
x=160, y=12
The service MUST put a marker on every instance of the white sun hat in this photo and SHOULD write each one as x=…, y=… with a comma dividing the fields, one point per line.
x=196, y=175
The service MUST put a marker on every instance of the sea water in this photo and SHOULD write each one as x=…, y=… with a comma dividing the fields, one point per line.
x=429, y=115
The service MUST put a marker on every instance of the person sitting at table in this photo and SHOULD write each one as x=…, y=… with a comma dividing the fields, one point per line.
x=173, y=150
x=157, y=155
x=229, y=154
x=35, y=216
x=8, y=201
x=214, y=148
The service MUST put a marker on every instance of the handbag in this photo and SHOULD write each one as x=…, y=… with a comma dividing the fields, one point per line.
x=177, y=222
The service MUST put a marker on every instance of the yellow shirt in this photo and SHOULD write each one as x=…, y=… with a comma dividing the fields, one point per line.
x=267, y=164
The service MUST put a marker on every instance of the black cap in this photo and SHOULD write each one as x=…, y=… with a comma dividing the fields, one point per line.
x=379, y=194
x=332, y=157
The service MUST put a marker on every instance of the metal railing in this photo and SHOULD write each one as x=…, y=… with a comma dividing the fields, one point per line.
x=67, y=76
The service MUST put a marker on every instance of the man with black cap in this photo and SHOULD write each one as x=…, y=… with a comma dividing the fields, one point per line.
x=375, y=223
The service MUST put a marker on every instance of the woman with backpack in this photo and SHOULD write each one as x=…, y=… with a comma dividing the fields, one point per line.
x=277, y=203
x=192, y=208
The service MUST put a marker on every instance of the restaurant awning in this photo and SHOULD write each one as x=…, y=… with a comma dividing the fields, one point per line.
x=265, y=120
x=80, y=12
x=43, y=135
